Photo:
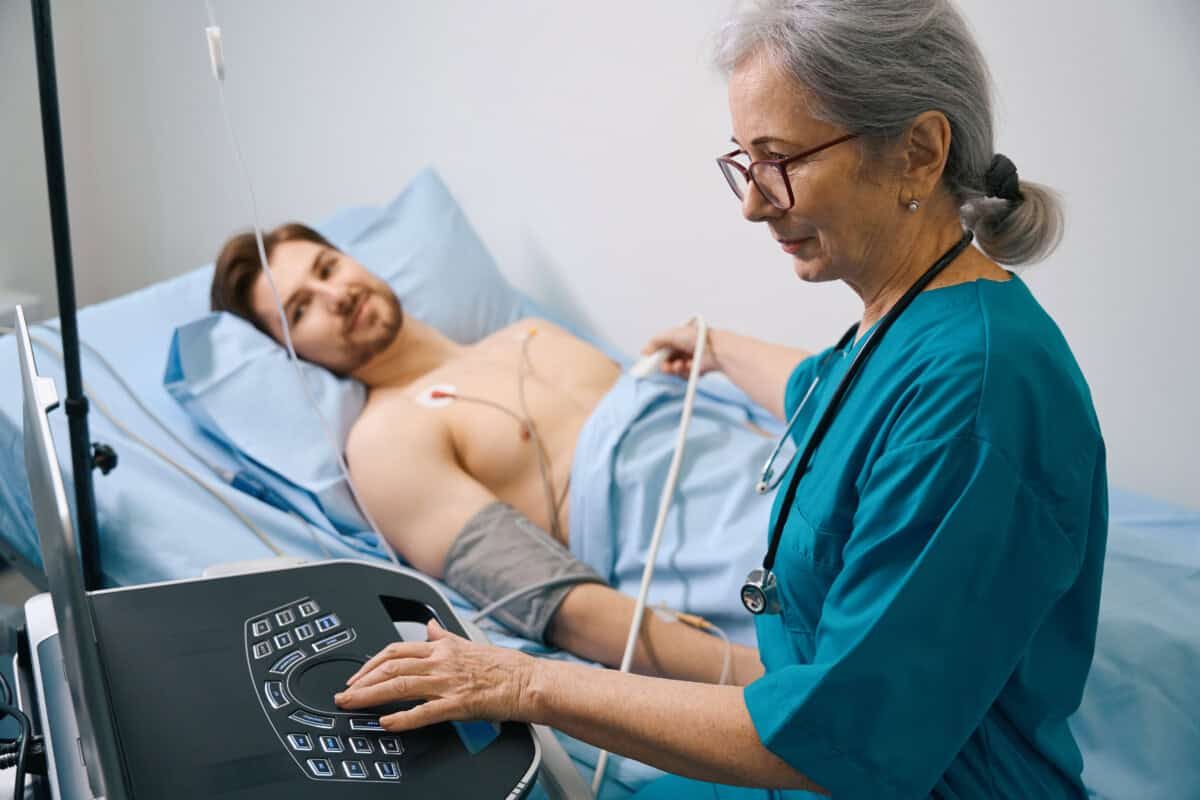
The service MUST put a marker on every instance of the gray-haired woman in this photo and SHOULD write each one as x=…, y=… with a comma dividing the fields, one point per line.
x=928, y=603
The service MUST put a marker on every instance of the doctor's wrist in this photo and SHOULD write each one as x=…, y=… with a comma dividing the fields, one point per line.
x=536, y=680
x=716, y=338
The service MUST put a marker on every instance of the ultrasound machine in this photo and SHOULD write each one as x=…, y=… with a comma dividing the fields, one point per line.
x=222, y=687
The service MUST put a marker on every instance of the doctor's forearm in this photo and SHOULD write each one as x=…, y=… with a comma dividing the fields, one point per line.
x=691, y=729
x=760, y=369
x=593, y=622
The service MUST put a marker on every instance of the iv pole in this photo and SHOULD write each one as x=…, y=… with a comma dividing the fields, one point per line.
x=76, y=404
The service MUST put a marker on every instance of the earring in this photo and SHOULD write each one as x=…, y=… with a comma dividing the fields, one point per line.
x=914, y=204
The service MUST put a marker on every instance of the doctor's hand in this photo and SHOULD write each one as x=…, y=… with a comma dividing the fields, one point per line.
x=680, y=341
x=458, y=680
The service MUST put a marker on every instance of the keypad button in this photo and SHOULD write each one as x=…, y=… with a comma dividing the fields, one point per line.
x=360, y=724
x=275, y=694
x=293, y=658
x=285, y=618
x=328, y=622
x=354, y=769
x=387, y=770
x=391, y=745
x=304, y=632
x=262, y=650
x=341, y=637
x=261, y=627
x=331, y=744
x=320, y=767
x=312, y=720
x=361, y=745
x=308, y=608
x=300, y=742
x=283, y=640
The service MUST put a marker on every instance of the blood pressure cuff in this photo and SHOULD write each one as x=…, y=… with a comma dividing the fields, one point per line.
x=500, y=551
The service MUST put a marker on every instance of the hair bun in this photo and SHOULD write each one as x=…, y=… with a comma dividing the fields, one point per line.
x=1001, y=179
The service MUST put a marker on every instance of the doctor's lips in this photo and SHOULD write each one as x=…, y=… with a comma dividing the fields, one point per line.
x=792, y=246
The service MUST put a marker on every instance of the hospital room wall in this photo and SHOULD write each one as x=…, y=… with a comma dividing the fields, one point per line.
x=579, y=138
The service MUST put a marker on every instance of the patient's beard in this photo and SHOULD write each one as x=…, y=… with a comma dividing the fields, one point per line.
x=388, y=323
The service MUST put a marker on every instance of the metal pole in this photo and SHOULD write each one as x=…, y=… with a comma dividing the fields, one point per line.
x=76, y=404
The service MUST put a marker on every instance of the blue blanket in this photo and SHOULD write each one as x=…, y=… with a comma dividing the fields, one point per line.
x=716, y=528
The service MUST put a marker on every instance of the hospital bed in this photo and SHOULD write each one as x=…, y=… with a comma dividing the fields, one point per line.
x=1137, y=725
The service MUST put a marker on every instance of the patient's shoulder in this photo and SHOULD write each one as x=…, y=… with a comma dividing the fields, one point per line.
x=393, y=423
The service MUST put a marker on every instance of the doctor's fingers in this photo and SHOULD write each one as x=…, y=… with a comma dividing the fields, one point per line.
x=392, y=668
x=392, y=651
x=401, y=688
x=680, y=340
x=425, y=714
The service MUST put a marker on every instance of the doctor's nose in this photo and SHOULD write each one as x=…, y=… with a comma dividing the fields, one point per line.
x=756, y=207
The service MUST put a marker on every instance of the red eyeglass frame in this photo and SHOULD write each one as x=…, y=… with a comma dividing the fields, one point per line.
x=747, y=170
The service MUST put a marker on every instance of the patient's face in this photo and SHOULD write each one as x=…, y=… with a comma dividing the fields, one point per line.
x=340, y=315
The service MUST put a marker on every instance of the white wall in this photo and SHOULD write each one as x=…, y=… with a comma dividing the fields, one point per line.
x=580, y=136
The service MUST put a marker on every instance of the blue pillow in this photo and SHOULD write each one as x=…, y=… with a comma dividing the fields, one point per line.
x=238, y=385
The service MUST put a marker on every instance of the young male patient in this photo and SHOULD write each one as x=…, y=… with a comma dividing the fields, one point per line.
x=443, y=477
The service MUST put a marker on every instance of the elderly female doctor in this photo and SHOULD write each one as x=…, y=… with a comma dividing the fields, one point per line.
x=932, y=582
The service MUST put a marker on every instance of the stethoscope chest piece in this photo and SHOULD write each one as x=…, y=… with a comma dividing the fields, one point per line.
x=760, y=592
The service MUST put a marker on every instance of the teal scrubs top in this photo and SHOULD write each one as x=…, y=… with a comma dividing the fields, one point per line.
x=940, y=567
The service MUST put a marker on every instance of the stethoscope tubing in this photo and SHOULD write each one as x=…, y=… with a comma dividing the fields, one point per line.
x=839, y=394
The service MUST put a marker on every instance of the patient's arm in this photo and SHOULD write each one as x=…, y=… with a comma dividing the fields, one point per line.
x=593, y=622
x=761, y=369
x=414, y=488
x=406, y=473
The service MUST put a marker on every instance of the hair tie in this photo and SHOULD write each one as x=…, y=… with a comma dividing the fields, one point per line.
x=1001, y=180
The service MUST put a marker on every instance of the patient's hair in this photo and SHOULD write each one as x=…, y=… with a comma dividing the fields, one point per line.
x=238, y=266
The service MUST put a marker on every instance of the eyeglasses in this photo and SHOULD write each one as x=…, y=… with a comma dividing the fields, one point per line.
x=769, y=175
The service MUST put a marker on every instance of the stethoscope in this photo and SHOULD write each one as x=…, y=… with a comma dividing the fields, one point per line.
x=760, y=592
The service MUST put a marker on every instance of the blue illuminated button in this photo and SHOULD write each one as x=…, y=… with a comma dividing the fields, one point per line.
x=330, y=744
x=299, y=741
x=308, y=608
x=293, y=658
x=328, y=622
x=388, y=770
x=283, y=640
x=312, y=720
x=354, y=769
x=275, y=694
x=391, y=746
x=320, y=767
x=361, y=745
x=365, y=725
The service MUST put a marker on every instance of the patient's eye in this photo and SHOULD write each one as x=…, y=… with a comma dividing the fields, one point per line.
x=326, y=269
x=298, y=312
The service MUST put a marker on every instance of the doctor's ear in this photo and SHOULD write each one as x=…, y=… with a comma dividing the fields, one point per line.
x=924, y=150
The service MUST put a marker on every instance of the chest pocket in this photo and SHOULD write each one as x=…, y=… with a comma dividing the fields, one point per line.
x=821, y=515
x=810, y=555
